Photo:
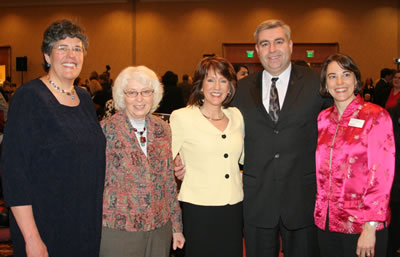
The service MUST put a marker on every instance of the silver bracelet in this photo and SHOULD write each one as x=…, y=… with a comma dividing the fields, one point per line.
x=373, y=223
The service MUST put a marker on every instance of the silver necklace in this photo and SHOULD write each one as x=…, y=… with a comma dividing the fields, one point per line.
x=59, y=89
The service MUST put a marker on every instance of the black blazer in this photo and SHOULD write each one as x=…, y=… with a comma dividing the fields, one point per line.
x=279, y=170
x=382, y=92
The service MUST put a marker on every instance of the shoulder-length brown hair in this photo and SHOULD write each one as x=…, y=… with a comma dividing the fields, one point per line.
x=218, y=64
x=346, y=63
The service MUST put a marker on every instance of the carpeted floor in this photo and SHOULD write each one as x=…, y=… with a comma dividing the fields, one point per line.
x=6, y=249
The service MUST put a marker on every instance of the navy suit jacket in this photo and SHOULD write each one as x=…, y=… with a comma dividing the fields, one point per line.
x=279, y=168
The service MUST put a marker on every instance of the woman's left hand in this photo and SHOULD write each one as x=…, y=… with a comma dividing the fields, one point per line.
x=178, y=240
x=366, y=242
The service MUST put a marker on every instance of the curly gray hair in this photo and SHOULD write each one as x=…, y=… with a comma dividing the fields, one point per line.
x=141, y=74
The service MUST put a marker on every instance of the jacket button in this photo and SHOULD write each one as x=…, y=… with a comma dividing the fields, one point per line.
x=226, y=176
x=276, y=131
x=223, y=136
x=226, y=155
x=276, y=156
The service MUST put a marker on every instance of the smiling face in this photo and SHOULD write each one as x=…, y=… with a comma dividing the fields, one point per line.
x=396, y=81
x=137, y=107
x=66, y=60
x=341, y=84
x=215, y=88
x=274, y=50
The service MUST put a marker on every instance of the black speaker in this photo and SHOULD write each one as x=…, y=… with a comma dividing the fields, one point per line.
x=22, y=63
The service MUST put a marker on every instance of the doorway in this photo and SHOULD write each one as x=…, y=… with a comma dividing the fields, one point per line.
x=5, y=60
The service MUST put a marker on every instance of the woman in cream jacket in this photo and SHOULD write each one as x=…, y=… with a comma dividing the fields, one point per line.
x=208, y=136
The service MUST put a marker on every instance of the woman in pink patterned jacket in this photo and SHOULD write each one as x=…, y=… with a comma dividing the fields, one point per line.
x=355, y=166
x=141, y=211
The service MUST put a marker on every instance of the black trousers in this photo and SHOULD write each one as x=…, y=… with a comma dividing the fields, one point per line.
x=334, y=244
x=394, y=230
x=213, y=231
x=265, y=242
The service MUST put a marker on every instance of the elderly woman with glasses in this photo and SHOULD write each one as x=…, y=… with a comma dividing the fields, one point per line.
x=140, y=207
x=54, y=155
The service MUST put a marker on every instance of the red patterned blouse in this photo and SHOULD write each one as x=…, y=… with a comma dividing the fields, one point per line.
x=140, y=192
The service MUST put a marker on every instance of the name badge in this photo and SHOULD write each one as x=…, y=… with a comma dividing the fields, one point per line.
x=356, y=123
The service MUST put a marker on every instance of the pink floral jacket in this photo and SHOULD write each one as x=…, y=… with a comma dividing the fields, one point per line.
x=355, y=160
x=140, y=192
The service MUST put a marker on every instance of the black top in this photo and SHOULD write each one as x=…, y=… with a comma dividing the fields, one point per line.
x=172, y=99
x=395, y=114
x=54, y=159
x=382, y=92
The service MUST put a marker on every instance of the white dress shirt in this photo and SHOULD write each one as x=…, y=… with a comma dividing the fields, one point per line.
x=281, y=85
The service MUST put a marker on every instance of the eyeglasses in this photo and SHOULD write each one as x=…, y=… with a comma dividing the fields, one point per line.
x=65, y=49
x=144, y=93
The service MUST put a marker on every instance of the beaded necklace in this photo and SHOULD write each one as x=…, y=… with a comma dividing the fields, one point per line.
x=142, y=138
x=59, y=89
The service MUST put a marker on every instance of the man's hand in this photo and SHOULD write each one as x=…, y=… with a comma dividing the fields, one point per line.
x=179, y=168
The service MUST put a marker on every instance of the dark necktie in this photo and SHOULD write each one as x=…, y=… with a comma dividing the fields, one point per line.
x=274, y=101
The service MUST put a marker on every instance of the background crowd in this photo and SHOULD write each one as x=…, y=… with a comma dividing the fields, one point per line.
x=320, y=166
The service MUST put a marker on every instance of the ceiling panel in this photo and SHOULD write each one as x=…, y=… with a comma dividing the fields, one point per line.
x=21, y=3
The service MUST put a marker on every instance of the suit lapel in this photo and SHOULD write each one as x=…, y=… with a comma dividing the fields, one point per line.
x=256, y=94
x=295, y=86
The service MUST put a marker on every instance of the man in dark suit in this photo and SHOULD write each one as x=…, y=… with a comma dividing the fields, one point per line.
x=383, y=87
x=280, y=141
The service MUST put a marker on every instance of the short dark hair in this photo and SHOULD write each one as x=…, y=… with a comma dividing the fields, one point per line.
x=301, y=63
x=169, y=79
x=386, y=72
x=218, y=64
x=237, y=67
x=346, y=63
x=60, y=30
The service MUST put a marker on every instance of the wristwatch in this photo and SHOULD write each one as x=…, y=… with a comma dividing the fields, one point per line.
x=373, y=223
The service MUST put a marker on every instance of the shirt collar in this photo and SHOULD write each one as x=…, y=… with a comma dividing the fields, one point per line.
x=284, y=76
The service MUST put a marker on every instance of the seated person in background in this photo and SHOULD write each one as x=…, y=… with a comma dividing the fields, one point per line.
x=301, y=63
x=241, y=71
x=78, y=83
x=186, y=87
x=368, y=90
x=394, y=92
x=102, y=96
x=173, y=97
x=94, y=84
x=383, y=87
